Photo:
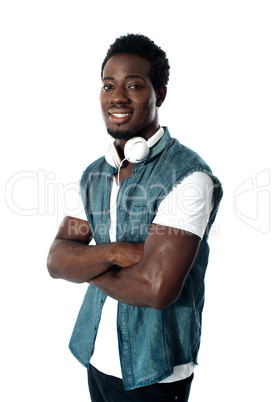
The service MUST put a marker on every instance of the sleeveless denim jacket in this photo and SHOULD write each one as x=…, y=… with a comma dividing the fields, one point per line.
x=151, y=342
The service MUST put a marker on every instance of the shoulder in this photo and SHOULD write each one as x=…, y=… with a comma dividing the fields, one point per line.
x=186, y=156
x=97, y=166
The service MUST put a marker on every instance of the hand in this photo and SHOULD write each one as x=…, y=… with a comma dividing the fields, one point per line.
x=127, y=254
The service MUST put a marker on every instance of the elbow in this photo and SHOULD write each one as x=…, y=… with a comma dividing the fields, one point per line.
x=158, y=305
x=51, y=267
x=54, y=260
x=161, y=303
x=53, y=274
x=163, y=297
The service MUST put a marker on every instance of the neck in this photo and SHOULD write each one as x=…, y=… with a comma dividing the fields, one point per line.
x=120, y=143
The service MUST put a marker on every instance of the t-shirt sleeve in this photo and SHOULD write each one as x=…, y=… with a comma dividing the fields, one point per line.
x=188, y=205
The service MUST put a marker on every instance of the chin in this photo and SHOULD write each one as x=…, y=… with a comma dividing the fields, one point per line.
x=118, y=134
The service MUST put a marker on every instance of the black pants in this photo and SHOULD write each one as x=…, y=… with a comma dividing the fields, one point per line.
x=105, y=388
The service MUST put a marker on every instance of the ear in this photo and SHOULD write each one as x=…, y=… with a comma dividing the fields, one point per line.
x=161, y=95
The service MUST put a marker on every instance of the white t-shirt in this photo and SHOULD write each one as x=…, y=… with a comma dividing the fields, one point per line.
x=186, y=207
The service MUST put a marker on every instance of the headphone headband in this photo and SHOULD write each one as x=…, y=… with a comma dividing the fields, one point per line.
x=136, y=149
x=155, y=138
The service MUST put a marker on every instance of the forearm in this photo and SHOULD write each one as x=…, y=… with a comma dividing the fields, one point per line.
x=78, y=262
x=127, y=285
x=158, y=278
x=140, y=284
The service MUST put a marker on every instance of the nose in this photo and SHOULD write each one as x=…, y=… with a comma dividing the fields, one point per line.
x=118, y=96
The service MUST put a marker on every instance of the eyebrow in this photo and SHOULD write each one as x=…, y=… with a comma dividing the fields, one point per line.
x=134, y=76
x=126, y=77
x=107, y=78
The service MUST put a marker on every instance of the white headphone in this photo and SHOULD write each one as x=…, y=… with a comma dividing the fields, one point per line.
x=136, y=149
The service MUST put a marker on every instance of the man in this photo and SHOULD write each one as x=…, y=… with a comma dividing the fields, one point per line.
x=149, y=204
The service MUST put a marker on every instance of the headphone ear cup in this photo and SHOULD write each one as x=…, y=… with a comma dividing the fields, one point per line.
x=112, y=156
x=136, y=150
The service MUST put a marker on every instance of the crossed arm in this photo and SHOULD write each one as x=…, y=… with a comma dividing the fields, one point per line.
x=151, y=275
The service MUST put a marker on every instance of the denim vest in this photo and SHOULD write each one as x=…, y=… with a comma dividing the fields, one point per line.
x=151, y=342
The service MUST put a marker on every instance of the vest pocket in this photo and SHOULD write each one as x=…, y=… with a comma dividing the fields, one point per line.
x=139, y=223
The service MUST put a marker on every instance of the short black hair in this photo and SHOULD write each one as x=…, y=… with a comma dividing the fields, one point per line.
x=141, y=45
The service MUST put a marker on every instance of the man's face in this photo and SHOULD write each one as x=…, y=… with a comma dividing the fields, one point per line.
x=129, y=102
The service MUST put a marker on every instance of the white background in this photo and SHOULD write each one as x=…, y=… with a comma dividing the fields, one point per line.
x=220, y=103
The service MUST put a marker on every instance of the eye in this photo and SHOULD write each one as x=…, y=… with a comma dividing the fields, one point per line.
x=107, y=87
x=135, y=87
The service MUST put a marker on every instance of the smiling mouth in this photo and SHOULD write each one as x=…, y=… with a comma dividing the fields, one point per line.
x=120, y=115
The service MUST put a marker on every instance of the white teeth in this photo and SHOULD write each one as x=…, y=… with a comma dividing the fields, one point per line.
x=121, y=114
